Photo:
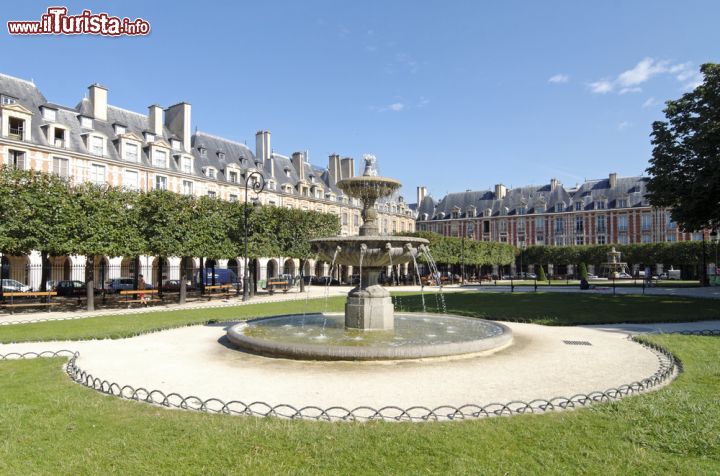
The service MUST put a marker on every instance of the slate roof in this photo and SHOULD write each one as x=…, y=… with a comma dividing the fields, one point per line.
x=533, y=197
x=219, y=153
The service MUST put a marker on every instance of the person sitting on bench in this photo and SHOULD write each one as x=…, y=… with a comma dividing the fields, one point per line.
x=584, y=285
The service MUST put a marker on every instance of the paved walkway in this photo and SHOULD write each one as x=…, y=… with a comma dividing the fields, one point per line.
x=712, y=292
x=195, y=361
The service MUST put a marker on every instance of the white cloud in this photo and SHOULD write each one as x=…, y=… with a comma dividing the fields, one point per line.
x=396, y=106
x=629, y=81
x=650, y=102
x=601, y=87
x=559, y=78
x=624, y=125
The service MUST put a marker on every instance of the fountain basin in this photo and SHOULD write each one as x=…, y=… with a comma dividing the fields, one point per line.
x=325, y=337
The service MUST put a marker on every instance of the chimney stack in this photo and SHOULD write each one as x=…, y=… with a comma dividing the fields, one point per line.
x=421, y=193
x=347, y=167
x=613, y=180
x=553, y=184
x=298, y=161
x=155, y=118
x=500, y=191
x=262, y=145
x=98, y=99
x=334, y=168
x=177, y=120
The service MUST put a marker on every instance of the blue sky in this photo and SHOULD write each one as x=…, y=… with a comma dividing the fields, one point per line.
x=452, y=95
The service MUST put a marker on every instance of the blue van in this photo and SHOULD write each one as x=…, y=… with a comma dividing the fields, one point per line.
x=222, y=276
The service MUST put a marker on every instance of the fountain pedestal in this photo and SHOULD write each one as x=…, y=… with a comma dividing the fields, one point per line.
x=369, y=309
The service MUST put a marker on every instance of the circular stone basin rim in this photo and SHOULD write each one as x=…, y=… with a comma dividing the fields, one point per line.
x=301, y=351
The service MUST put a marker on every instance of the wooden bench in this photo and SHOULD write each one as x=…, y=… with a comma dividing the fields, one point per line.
x=130, y=293
x=275, y=284
x=12, y=295
x=218, y=290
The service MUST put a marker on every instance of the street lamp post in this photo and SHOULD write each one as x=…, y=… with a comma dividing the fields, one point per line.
x=258, y=185
x=704, y=262
x=714, y=237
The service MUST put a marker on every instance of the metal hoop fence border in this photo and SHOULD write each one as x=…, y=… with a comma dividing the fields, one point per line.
x=668, y=365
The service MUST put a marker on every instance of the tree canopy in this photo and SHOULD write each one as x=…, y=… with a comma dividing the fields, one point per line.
x=685, y=164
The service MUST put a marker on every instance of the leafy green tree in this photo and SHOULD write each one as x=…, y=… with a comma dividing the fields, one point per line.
x=685, y=164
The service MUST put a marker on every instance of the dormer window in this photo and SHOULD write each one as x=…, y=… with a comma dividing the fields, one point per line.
x=7, y=100
x=131, y=152
x=149, y=137
x=120, y=129
x=488, y=212
x=540, y=208
x=86, y=122
x=521, y=210
x=233, y=176
x=175, y=144
x=272, y=185
x=96, y=145
x=560, y=207
x=221, y=155
x=600, y=205
x=186, y=165
x=159, y=159
x=287, y=172
x=49, y=114
x=203, y=151
x=16, y=128
x=210, y=172
x=621, y=203
x=578, y=206
x=59, y=137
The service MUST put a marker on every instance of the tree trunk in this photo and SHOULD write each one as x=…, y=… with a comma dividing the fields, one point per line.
x=89, y=283
x=183, y=282
x=202, y=276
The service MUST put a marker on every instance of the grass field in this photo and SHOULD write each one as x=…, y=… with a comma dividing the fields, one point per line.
x=49, y=425
x=542, y=308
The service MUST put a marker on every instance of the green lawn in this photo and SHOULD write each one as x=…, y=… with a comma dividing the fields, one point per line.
x=543, y=308
x=50, y=425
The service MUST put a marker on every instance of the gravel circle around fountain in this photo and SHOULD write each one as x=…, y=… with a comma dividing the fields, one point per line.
x=324, y=337
x=565, y=367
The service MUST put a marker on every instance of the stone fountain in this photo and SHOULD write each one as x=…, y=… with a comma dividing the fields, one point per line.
x=369, y=306
x=370, y=329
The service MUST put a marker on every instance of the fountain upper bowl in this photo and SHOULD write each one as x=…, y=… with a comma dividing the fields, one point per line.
x=368, y=187
x=401, y=249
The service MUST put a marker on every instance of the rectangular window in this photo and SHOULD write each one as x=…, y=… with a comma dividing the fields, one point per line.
x=96, y=146
x=210, y=172
x=175, y=144
x=187, y=187
x=486, y=226
x=131, y=179
x=61, y=167
x=622, y=203
x=59, y=137
x=671, y=237
x=187, y=165
x=149, y=137
x=646, y=222
x=601, y=239
x=160, y=159
x=623, y=223
x=559, y=226
x=579, y=224
x=696, y=236
x=670, y=223
x=6, y=100
x=356, y=220
x=579, y=240
x=344, y=218
x=119, y=130
x=212, y=194
x=578, y=206
x=49, y=114
x=97, y=174
x=623, y=239
x=16, y=159
x=86, y=122
x=233, y=177
x=646, y=238
x=539, y=223
x=233, y=197
x=160, y=182
x=17, y=128
x=601, y=227
x=131, y=152
x=560, y=207
x=600, y=205
x=521, y=225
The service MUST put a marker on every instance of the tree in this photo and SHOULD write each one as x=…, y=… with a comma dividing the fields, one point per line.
x=541, y=274
x=685, y=164
x=583, y=271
